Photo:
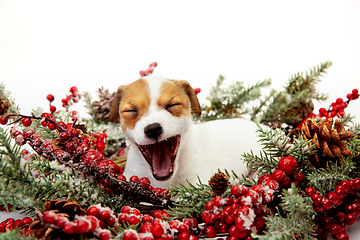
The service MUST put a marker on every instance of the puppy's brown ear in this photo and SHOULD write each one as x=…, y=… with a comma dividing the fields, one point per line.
x=195, y=105
x=114, y=111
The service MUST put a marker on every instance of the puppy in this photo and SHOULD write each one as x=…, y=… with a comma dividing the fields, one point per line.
x=165, y=145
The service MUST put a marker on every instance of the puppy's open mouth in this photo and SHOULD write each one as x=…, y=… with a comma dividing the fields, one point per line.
x=161, y=156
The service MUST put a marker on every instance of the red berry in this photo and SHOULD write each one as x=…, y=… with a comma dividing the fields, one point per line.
x=105, y=215
x=326, y=203
x=70, y=146
x=157, y=230
x=51, y=126
x=72, y=131
x=134, y=179
x=184, y=235
x=239, y=224
x=355, y=96
x=105, y=235
x=4, y=120
x=50, y=97
x=121, y=178
x=209, y=206
x=126, y=209
x=61, y=221
x=93, y=211
x=279, y=175
x=272, y=184
x=339, y=100
x=123, y=218
x=102, y=166
x=342, y=236
x=334, y=228
x=49, y=217
x=27, y=220
x=145, y=182
x=316, y=198
x=217, y=201
x=349, y=96
x=299, y=177
x=133, y=220
x=350, y=219
x=26, y=122
x=69, y=228
x=210, y=231
x=355, y=91
x=64, y=136
x=288, y=165
x=130, y=235
x=334, y=198
x=111, y=222
x=100, y=146
x=264, y=178
x=52, y=109
x=18, y=223
x=197, y=90
x=73, y=89
x=82, y=226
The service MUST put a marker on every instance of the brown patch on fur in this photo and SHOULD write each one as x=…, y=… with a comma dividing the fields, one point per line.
x=189, y=91
x=132, y=103
x=174, y=99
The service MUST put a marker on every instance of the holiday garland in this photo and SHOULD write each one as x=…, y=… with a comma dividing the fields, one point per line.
x=306, y=183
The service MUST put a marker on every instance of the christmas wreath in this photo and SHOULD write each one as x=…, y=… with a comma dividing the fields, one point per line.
x=306, y=182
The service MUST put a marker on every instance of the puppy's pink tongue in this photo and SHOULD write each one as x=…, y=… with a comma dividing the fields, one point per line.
x=161, y=159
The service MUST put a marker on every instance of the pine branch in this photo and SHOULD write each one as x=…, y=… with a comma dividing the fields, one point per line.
x=191, y=200
x=277, y=144
x=14, y=234
x=296, y=222
x=88, y=104
x=261, y=164
x=325, y=180
x=12, y=151
x=230, y=102
x=294, y=103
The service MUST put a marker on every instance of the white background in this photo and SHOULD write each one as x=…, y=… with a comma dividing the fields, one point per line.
x=49, y=46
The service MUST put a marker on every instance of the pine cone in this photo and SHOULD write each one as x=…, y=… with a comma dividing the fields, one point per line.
x=4, y=106
x=66, y=208
x=219, y=183
x=328, y=140
x=103, y=106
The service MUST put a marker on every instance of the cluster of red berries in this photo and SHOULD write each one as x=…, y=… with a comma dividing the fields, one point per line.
x=337, y=209
x=243, y=212
x=99, y=141
x=10, y=224
x=77, y=152
x=337, y=108
x=155, y=226
x=149, y=70
x=95, y=222
x=71, y=98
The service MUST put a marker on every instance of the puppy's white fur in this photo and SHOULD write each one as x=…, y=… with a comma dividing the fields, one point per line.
x=204, y=148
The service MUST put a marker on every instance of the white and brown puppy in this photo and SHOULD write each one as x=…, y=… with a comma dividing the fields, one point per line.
x=165, y=145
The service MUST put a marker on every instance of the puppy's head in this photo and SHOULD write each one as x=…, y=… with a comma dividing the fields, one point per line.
x=155, y=114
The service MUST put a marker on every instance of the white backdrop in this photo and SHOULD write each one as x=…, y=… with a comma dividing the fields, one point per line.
x=48, y=46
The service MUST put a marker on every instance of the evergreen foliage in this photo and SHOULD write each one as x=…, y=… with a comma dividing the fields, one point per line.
x=294, y=219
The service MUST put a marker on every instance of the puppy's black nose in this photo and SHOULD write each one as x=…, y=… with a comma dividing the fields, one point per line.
x=153, y=130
